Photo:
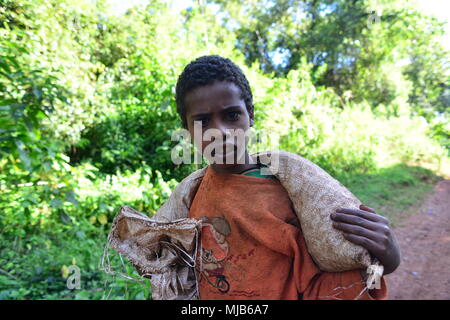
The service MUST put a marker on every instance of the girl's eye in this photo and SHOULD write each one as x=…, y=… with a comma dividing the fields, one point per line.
x=204, y=122
x=233, y=115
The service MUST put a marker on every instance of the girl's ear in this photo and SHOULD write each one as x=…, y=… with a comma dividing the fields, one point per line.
x=251, y=122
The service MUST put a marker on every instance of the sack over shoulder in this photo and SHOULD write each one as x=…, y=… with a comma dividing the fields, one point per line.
x=315, y=195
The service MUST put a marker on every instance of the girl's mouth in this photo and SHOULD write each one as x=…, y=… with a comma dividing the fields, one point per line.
x=224, y=151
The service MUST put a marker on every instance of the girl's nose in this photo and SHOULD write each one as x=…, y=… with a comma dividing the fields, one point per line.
x=224, y=130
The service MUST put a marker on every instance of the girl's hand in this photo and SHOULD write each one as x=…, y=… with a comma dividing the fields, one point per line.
x=368, y=229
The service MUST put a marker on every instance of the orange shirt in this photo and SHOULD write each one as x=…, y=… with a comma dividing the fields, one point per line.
x=253, y=247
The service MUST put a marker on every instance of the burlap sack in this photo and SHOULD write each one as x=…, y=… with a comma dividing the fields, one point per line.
x=162, y=251
x=314, y=194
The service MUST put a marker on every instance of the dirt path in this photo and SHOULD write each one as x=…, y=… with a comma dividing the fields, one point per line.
x=424, y=238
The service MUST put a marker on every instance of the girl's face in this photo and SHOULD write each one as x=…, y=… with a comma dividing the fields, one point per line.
x=218, y=106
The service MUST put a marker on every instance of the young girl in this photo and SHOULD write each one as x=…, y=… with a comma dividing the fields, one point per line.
x=252, y=242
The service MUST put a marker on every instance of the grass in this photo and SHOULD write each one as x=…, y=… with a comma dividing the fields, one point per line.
x=394, y=192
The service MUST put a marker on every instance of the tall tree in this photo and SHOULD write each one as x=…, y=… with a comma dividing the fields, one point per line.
x=373, y=50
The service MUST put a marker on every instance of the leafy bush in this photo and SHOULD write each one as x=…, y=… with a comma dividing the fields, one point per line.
x=39, y=256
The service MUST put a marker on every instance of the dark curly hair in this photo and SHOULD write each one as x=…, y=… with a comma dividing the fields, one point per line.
x=206, y=70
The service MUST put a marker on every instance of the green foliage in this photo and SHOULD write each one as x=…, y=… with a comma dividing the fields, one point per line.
x=36, y=267
x=440, y=131
x=386, y=53
x=35, y=260
x=30, y=158
x=87, y=111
